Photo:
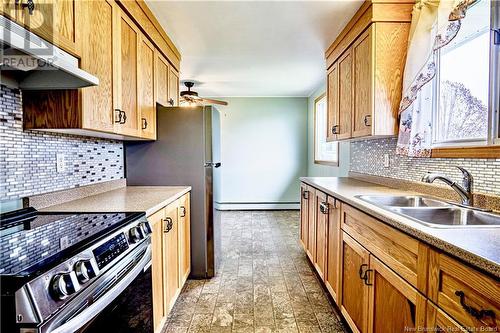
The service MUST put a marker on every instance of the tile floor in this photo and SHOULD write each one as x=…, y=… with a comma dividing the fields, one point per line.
x=265, y=283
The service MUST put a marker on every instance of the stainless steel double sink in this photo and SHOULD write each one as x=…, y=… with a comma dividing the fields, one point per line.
x=434, y=213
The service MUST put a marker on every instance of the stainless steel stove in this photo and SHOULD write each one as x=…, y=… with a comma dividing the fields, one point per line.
x=60, y=271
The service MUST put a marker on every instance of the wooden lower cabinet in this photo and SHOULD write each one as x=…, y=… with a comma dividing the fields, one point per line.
x=394, y=305
x=171, y=256
x=331, y=277
x=321, y=212
x=184, y=238
x=384, y=280
x=353, y=300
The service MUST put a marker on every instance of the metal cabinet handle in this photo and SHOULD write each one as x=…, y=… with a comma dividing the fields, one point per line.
x=323, y=207
x=169, y=225
x=171, y=101
x=30, y=4
x=144, y=123
x=335, y=129
x=478, y=314
x=124, y=117
x=367, y=120
x=305, y=195
x=119, y=121
x=361, y=271
x=366, y=277
x=183, y=211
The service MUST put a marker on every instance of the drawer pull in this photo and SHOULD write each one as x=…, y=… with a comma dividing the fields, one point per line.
x=478, y=314
x=323, y=207
x=367, y=120
x=361, y=271
x=335, y=129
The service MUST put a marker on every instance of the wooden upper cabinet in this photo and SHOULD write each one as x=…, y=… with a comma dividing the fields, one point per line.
x=184, y=238
x=321, y=212
x=369, y=57
x=97, y=33
x=173, y=87
x=353, y=299
x=126, y=72
x=161, y=75
x=53, y=20
x=147, y=99
x=332, y=96
x=394, y=305
x=362, y=84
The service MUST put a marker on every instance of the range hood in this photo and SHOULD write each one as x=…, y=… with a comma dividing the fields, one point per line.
x=29, y=62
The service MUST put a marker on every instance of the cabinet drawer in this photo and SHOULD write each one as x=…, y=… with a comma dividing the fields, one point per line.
x=402, y=253
x=468, y=296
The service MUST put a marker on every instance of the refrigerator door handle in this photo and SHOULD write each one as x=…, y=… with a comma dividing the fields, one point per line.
x=212, y=164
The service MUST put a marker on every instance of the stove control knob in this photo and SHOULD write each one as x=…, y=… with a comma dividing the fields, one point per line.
x=85, y=270
x=62, y=285
x=136, y=234
x=146, y=229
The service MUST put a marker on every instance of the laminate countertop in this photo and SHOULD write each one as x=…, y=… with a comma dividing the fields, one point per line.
x=147, y=199
x=479, y=247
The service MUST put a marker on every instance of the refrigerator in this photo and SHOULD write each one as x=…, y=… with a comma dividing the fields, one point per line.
x=186, y=152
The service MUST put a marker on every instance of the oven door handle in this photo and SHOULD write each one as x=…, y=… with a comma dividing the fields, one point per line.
x=93, y=310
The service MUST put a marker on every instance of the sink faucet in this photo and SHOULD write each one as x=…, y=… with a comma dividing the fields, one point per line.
x=465, y=191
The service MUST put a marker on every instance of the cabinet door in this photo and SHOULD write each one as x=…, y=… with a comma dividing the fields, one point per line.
x=53, y=20
x=345, y=95
x=184, y=239
x=333, y=248
x=95, y=30
x=321, y=230
x=354, y=292
x=304, y=215
x=311, y=223
x=173, y=87
x=147, y=100
x=161, y=74
x=126, y=48
x=438, y=321
x=156, y=221
x=170, y=257
x=332, y=95
x=394, y=305
x=363, y=84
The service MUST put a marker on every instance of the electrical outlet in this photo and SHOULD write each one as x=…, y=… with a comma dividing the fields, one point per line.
x=386, y=160
x=60, y=163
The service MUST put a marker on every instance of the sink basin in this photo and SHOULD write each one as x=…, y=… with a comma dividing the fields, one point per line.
x=450, y=216
x=432, y=212
x=403, y=201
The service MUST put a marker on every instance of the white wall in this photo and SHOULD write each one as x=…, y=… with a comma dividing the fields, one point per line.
x=318, y=170
x=264, y=152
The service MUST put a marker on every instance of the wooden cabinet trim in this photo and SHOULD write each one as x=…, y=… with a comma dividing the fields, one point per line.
x=332, y=270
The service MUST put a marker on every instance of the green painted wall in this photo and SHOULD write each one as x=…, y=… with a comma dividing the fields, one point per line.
x=318, y=170
x=263, y=150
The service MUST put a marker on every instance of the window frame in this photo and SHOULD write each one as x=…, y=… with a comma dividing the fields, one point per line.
x=315, y=137
x=489, y=148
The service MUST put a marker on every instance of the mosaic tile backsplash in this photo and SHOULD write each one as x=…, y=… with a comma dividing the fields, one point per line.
x=368, y=157
x=28, y=158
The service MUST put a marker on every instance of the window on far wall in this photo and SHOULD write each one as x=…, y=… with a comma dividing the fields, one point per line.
x=324, y=152
x=463, y=114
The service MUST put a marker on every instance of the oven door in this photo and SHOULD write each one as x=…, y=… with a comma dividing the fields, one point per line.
x=119, y=301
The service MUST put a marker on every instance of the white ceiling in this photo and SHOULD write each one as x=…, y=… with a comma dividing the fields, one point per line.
x=253, y=48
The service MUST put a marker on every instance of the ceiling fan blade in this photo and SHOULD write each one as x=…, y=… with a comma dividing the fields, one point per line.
x=214, y=101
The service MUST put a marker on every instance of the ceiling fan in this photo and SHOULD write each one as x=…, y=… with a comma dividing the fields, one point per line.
x=191, y=98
